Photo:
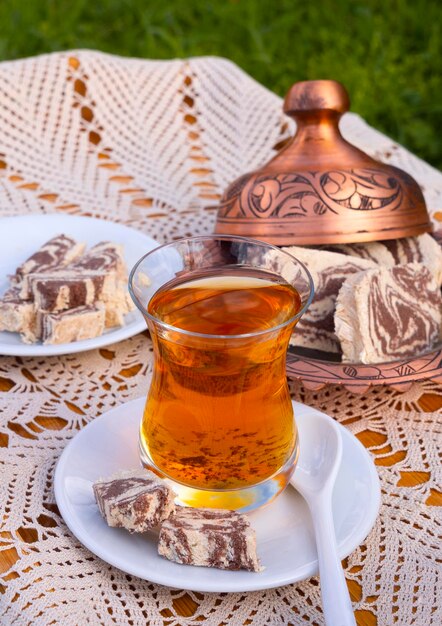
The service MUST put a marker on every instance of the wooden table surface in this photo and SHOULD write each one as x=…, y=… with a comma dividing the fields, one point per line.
x=184, y=605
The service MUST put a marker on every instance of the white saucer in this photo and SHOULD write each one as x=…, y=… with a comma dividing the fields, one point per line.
x=284, y=532
x=22, y=235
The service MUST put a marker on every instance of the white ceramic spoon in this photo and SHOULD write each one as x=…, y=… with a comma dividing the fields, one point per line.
x=314, y=477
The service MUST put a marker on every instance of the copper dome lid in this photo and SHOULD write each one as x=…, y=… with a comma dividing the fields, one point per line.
x=319, y=188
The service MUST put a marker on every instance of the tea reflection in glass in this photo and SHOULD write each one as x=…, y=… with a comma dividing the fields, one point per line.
x=218, y=419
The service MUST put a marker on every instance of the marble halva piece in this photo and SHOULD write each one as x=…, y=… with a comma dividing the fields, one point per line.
x=134, y=499
x=388, y=313
x=209, y=538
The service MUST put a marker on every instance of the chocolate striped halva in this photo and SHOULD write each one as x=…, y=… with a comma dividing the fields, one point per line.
x=329, y=270
x=134, y=499
x=209, y=537
x=54, y=254
x=386, y=314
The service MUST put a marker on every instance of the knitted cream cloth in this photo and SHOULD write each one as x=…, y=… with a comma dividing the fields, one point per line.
x=152, y=144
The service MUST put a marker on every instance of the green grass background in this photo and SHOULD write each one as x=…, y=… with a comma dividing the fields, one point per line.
x=387, y=53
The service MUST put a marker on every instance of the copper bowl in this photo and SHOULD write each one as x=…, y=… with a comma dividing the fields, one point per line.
x=320, y=189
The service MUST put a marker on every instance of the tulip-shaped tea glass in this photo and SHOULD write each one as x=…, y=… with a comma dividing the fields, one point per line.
x=218, y=420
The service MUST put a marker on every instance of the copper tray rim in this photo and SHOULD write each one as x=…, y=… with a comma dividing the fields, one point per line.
x=400, y=374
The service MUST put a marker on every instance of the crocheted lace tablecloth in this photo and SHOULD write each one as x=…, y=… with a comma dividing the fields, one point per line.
x=152, y=144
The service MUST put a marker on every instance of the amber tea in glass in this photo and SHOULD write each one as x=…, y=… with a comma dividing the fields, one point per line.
x=218, y=419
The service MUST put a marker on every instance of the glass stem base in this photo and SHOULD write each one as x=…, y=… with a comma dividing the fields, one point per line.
x=242, y=500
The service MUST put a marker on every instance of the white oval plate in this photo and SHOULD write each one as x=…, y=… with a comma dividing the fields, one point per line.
x=22, y=235
x=285, y=539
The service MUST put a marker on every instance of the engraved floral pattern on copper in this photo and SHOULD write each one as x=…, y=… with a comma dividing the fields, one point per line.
x=295, y=195
x=400, y=374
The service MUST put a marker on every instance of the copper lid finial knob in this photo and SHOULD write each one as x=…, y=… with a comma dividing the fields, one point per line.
x=314, y=95
x=320, y=189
